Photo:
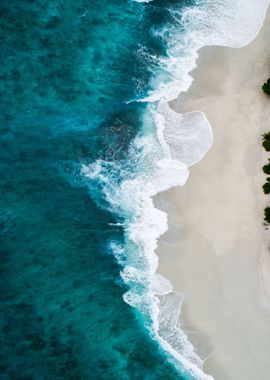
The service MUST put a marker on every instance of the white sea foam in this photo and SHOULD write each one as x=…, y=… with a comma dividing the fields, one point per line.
x=160, y=160
x=232, y=23
x=185, y=137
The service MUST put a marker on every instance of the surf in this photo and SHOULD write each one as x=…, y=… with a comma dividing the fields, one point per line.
x=159, y=158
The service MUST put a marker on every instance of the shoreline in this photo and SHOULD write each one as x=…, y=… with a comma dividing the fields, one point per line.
x=213, y=236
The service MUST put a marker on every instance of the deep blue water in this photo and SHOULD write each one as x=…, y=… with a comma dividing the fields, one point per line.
x=67, y=68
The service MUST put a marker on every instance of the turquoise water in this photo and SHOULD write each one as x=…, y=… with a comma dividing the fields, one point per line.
x=68, y=69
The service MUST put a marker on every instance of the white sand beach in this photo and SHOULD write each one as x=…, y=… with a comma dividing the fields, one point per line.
x=216, y=250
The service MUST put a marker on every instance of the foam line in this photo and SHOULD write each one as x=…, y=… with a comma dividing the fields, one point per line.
x=160, y=160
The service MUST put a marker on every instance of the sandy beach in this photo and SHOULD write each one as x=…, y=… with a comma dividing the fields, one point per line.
x=216, y=249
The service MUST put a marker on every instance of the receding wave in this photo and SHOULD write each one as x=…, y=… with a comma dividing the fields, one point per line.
x=159, y=158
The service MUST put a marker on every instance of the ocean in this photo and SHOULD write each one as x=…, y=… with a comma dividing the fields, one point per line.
x=87, y=139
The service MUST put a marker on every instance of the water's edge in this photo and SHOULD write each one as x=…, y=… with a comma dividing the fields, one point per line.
x=159, y=159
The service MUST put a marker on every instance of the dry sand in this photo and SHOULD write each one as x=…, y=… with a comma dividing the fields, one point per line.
x=216, y=249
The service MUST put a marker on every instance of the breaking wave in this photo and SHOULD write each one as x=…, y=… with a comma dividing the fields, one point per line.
x=159, y=158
